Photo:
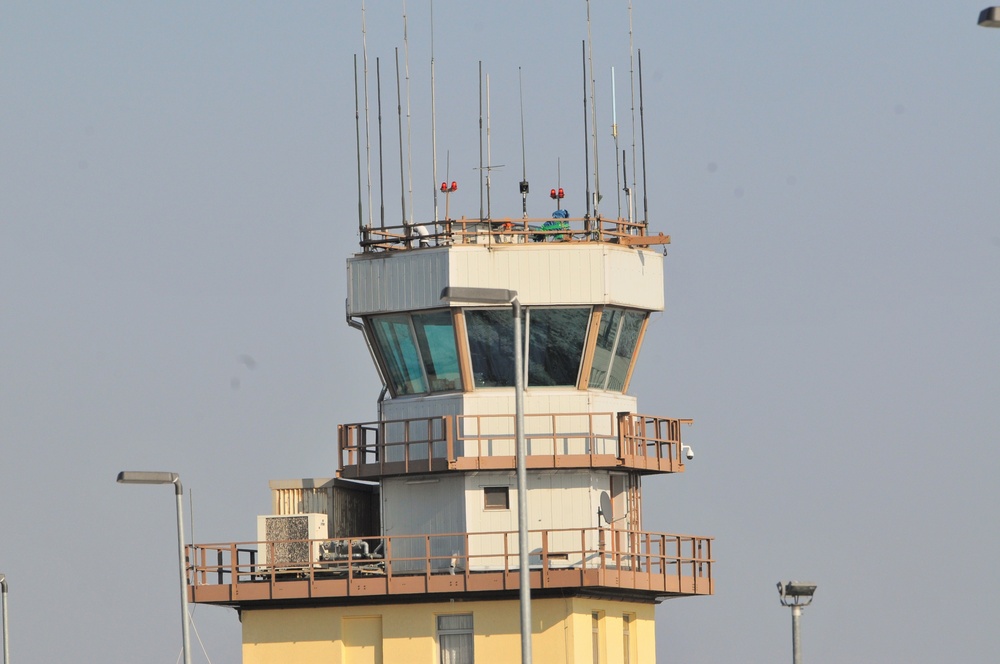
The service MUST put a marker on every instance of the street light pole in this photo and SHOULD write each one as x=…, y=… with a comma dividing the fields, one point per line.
x=522, y=488
x=3, y=608
x=503, y=296
x=796, y=594
x=143, y=477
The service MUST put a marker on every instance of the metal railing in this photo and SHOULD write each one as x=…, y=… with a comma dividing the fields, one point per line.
x=477, y=442
x=449, y=232
x=646, y=563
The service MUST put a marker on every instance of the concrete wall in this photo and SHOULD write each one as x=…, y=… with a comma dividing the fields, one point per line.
x=561, y=632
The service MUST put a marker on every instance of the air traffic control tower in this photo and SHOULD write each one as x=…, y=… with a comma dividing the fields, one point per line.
x=410, y=551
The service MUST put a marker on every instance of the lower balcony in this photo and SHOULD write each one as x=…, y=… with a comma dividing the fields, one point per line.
x=613, y=563
x=643, y=443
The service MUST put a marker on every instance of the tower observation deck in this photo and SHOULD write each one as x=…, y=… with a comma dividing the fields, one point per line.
x=407, y=548
x=423, y=506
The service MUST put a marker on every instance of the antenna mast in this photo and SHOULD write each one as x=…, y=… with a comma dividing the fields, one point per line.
x=524, y=174
x=489, y=151
x=381, y=180
x=368, y=140
x=480, y=140
x=631, y=78
x=586, y=147
x=399, y=124
x=593, y=111
x=357, y=142
x=434, y=120
x=614, y=134
x=409, y=128
x=642, y=130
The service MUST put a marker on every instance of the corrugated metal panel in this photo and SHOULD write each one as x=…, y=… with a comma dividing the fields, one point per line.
x=396, y=282
x=423, y=506
x=408, y=408
x=546, y=273
x=351, y=509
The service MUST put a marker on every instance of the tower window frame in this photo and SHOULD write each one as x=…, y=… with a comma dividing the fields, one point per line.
x=496, y=498
x=456, y=638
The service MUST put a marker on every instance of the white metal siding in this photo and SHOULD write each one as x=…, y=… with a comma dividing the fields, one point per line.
x=542, y=274
x=402, y=281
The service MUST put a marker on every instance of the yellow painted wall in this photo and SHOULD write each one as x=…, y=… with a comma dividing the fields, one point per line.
x=561, y=632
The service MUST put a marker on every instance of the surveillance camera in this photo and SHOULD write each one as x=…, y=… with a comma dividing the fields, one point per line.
x=688, y=452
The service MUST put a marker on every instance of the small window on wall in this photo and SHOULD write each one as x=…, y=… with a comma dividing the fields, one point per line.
x=455, y=639
x=418, y=351
x=616, y=341
x=496, y=497
x=628, y=637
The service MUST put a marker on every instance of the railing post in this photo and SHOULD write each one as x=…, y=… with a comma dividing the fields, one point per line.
x=380, y=445
x=449, y=437
x=623, y=434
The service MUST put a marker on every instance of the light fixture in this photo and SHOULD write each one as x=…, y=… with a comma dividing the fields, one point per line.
x=796, y=594
x=990, y=17
x=146, y=477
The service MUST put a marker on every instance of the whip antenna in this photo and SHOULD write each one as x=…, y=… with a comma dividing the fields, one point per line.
x=524, y=170
x=368, y=141
x=399, y=123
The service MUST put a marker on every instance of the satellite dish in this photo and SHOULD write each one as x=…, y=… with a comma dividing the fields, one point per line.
x=606, y=510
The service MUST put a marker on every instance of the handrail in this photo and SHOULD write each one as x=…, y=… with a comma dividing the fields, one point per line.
x=567, y=557
x=476, y=442
x=507, y=230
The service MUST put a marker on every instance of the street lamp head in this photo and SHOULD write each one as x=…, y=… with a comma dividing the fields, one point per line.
x=990, y=17
x=147, y=477
x=478, y=295
x=796, y=593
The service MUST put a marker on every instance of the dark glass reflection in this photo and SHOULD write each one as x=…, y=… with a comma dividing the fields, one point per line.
x=491, y=346
x=627, y=339
x=436, y=338
x=616, y=341
x=395, y=340
x=555, y=345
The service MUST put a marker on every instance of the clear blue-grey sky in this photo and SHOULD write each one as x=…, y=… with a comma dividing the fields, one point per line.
x=178, y=190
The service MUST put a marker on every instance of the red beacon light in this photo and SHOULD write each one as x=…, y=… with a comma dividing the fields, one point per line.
x=445, y=188
x=556, y=195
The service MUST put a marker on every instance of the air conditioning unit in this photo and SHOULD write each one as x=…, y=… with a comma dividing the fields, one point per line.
x=282, y=538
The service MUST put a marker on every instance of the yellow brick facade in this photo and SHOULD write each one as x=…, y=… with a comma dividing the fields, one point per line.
x=563, y=630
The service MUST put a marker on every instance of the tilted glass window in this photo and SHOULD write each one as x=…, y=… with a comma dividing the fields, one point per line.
x=399, y=351
x=419, y=351
x=616, y=342
x=555, y=345
x=554, y=336
x=436, y=337
x=491, y=345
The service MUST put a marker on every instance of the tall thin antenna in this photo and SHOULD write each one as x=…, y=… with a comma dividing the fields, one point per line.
x=434, y=120
x=357, y=141
x=409, y=127
x=631, y=78
x=614, y=135
x=593, y=111
x=381, y=180
x=368, y=140
x=480, y=140
x=524, y=169
x=489, y=150
x=399, y=123
x=586, y=147
x=642, y=130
